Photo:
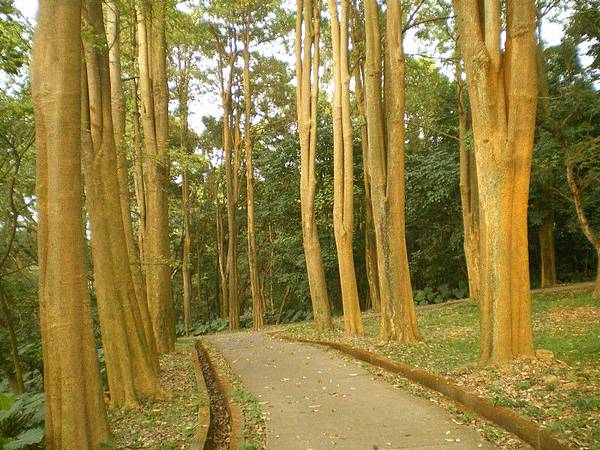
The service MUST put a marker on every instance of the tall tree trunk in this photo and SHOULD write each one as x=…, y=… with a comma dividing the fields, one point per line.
x=257, y=314
x=183, y=88
x=130, y=366
x=308, y=24
x=118, y=116
x=370, y=244
x=546, y=231
x=75, y=415
x=584, y=223
x=138, y=153
x=151, y=18
x=343, y=171
x=385, y=122
x=223, y=310
x=229, y=126
x=469, y=192
x=503, y=94
x=19, y=385
x=547, y=252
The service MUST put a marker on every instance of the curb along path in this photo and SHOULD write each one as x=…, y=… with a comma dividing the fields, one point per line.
x=315, y=399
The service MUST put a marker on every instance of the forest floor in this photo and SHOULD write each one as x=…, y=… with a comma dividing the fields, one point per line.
x=163, y=424
x=561, y=393
x=312, y=398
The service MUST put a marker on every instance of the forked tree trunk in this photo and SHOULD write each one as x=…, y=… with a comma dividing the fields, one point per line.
x=547, y=253
x=385, y=124
x=343, y=170
x=118, y=115
x=257, y=314
x=503, y=94
x=370, y=244
x=75, y=415
x=469, y=192
x=151, y=18
x=130, y=364
x=308, y=23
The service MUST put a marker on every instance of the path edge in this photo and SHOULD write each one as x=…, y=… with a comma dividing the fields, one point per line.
x=529, y=431
x=226, y=390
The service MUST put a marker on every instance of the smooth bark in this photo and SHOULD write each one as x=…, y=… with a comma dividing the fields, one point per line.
x=130, y=364
x=257, y=302
x=151, y=23
x=469, y=192
x=75, y=415
x=308, y=23
x=384, y=94
x=369, y=228
x=119, y=110
x=343, y=168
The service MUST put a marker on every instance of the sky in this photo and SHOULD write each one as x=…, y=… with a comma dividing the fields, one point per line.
x=207, y=104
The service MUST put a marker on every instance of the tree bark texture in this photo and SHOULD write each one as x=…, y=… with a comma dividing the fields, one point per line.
x=130, y=364
x=503, y=95
x=385, y=125
x=308, y=23
x=343, y=170
x=257, y=313
x=151, y=23
x=75, y=415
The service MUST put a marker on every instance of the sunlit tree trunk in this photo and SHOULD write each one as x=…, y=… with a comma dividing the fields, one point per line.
x=257, y=315
x=343, y=170
x=130, y=364
x=118, y=115
x=385, y=124
x=369, y=230
x=151, y=23
x=469, y=193
x=308, y=23
x=503, y=95
x=75, y=415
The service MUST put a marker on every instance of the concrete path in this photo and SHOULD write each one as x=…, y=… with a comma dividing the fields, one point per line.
x=315, y=399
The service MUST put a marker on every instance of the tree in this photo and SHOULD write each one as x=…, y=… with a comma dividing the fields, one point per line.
x=385, y=125
x=75, y=415
x=308, y=27
x=370, y=244
x=257, y=315
x=502, y=94
x=151, y=37
x=469, y=191
x=124, y=319
x=343, y=142
x=119, y=111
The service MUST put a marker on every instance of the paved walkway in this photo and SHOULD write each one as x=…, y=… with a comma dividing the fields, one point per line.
x=315, y=399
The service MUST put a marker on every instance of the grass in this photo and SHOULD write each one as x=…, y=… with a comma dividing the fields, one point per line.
x=562, y=394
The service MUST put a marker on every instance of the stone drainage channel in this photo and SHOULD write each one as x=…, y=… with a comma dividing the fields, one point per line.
x=219, y=435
